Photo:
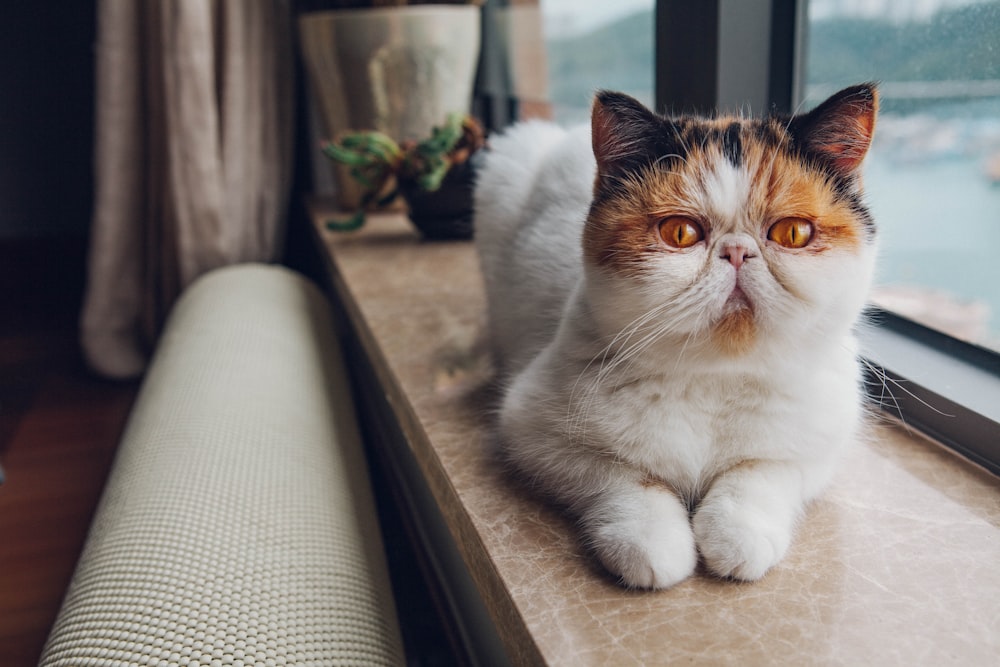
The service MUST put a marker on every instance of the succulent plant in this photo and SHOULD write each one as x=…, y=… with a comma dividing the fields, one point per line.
x=381, y=165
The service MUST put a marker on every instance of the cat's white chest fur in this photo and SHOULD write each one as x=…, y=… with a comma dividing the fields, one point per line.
x=685, y=430
x=634, y=458
x=680, y=430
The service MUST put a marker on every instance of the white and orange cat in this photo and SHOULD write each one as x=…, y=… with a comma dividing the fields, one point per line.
x=671, y=305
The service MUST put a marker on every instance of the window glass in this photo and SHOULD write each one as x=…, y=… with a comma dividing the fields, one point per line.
x=591, y=44
x=933, y=174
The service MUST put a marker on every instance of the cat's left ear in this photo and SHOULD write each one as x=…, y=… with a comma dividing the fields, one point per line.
x=625, y=135
x=840, y=129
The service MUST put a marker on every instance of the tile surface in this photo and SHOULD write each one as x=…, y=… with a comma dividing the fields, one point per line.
x=896, y=564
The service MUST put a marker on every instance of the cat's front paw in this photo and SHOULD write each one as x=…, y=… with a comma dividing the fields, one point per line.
x=645, y=539
x=739, y=540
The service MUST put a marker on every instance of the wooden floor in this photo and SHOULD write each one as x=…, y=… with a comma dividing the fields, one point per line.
x=58, y=429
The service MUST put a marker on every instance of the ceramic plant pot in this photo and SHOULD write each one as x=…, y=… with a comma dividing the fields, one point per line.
x=399, y=70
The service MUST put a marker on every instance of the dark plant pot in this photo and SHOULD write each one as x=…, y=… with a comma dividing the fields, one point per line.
x=445, y=213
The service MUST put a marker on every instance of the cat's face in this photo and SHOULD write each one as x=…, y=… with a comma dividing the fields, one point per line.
x=729, y=233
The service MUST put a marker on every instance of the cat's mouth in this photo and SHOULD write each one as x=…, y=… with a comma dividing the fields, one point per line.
x=738, y=300
x=735, y=330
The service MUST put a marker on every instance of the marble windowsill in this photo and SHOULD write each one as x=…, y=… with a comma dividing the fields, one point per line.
x=895, y=564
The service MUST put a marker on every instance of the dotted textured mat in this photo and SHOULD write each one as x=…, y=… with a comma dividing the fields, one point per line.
x=238, y=526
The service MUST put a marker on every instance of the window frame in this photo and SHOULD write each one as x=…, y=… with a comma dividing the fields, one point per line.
x=734, y=55
x=751, y=52
x=944, y=387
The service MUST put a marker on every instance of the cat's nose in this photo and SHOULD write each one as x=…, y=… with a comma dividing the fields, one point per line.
x=736, y=254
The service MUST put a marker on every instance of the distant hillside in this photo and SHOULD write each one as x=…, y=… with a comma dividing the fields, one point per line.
x=618, y=56
x=963, y=43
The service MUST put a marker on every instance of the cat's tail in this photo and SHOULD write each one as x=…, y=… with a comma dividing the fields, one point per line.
x=507, y=171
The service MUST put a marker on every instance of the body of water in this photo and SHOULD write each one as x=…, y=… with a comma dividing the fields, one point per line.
x=939, y=227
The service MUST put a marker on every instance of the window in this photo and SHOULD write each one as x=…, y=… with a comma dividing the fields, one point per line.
x=593, y=45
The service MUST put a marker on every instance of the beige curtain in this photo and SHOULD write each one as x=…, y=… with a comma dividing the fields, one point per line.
x=192, y=159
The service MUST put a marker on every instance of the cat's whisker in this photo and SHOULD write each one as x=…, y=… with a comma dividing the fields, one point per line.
x=628, y=355
x=680, y=138
x=680, y=355
x=770, y=165
x=623, y=335
x=631, y=329
x=670, y=156
x=883, y=382
x=624, y=359
x=798, y=107
x=899, y=384
x=788, y=122
x=885, y=389
x=578, y=409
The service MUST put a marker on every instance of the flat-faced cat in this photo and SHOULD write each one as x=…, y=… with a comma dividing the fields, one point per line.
x=671, y=305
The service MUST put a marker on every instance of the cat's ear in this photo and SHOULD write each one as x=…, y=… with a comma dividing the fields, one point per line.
x=840, y=129
x=624, y=134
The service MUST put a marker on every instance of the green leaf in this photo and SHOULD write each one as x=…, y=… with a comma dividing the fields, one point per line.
x=348, y=225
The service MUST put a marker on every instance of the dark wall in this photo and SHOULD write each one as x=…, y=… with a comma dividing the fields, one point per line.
x=46, y=117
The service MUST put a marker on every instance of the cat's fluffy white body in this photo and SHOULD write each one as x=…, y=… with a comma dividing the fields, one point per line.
x=616, y=401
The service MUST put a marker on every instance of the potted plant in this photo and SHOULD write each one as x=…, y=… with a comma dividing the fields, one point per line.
x=434, y=175
x=395, y=66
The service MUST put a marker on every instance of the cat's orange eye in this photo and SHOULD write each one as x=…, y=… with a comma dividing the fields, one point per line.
x=791, y=232
x=680, y=232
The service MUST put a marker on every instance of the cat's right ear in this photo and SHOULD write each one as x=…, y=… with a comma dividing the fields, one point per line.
x=624, y=134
